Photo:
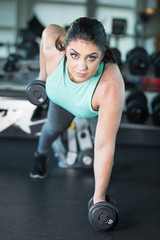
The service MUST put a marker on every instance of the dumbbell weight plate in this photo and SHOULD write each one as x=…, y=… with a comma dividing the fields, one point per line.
x=138, y=61
x=136, y=95
x=156, y=63
x=136, y=113
x=36, y=93
x=156, y=110
x=137, y=110
x=85, y=158
x=103, y=215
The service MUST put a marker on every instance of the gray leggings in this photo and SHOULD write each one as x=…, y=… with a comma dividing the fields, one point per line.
x=58, y=120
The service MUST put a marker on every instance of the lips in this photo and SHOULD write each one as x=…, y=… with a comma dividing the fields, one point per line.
x=81, y=75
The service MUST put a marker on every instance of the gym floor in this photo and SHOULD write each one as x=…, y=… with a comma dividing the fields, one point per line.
x=56, y=208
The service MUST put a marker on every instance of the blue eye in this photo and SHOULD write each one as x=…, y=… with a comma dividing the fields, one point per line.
x=91, y=58
x=74, y=55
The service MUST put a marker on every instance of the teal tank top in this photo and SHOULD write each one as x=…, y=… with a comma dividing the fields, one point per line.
x=74, y=97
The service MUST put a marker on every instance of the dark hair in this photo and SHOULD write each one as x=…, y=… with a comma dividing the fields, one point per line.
x=92, y=30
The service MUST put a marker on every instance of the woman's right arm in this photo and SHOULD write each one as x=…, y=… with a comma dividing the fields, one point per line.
x=50, y=56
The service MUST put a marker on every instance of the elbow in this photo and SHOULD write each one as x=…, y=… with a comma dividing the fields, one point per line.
x=105, y=148
x=100, y=145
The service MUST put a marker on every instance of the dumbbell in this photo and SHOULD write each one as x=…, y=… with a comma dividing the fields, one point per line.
x=85, y=158
x=36, y=93
x=138, y=61
x=155, y=58
x=156, y=110
x=103, y=215
x=136, y=107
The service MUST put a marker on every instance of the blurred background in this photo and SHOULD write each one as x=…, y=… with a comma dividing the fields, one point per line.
x=23, y=19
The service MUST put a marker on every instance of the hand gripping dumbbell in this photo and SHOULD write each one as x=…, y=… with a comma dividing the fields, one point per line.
x=36, y=93
x=103, y=215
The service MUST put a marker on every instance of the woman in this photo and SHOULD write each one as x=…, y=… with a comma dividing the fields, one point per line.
x=83, y=80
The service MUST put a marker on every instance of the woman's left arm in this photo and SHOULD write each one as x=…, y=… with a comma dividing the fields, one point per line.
x=110, y=110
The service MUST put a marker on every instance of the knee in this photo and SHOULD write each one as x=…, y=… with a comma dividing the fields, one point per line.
x=52, y=129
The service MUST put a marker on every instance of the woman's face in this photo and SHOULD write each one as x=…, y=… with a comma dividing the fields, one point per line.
x=83, y=58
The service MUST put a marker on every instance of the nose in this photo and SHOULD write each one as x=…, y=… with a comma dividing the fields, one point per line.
x=82, y=65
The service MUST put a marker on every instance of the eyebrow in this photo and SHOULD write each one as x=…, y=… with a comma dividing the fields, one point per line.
x=94, y=53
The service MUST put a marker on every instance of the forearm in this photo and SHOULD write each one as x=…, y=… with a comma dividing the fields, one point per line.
x=103, y=163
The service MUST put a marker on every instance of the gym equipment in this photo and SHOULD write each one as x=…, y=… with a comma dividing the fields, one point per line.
x=86, y=154
x=27, y=38
x=71, y=155
x=103, y=215
x=27, y=41
x=65, y=149
x=156, y=110
x=85, y=158
x=35, y=26
x=136, y=107
x=119, y=26
x=74, y=148
x=36, y=93
x=155, y=58
x=149, y=84
x=12, y=63
x=138, y=61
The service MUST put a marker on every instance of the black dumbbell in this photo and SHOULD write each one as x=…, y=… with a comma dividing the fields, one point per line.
x=85, y=158
x=136, y=107
x=138, y=61
x=103, y=215
x=155, y=58
x=156, y=110
x=36, y=93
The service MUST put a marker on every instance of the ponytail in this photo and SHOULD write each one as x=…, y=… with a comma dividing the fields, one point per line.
x=109, y=56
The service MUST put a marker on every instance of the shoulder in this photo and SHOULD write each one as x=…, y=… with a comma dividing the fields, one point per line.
x=111, y=86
